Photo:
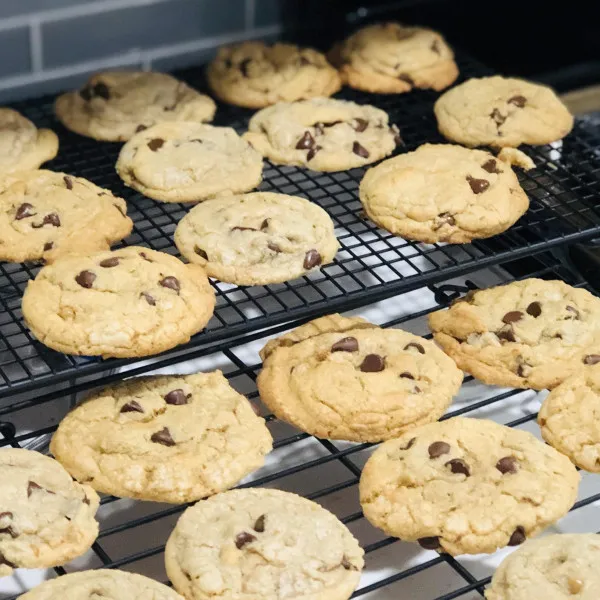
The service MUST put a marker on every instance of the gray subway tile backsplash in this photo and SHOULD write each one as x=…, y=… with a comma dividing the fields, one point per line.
x=14, y=8
x=15, y=51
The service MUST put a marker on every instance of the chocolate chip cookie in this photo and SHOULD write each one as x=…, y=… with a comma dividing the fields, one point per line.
x=22, y=145
x=130, y=302
x=262, y=543
x=466, y=486
x=443, y=193
x=323, y=134
x=114, y=105
x=254, y=74
x=344, y=378
x=499, y=111
x=46, y=518
x=165, y=439
x=555, y=567
x=390, y=58
x=186, y=162
x=528, y=334
x=256, y=239
x=45, y=215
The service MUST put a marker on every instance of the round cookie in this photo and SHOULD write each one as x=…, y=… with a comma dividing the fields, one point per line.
x=254, y=74
x=114, y=105
x=499, y=111
x=444, y=193
x=527, y=334
x=165, y=439
x=22, y=145
x=186, y=162
x=390, y=58
x=466, y=486
x=46, y=518
x=46, y=215
x=323, y=134
x=109, y=584
x=262, y=543
x=256, y=239
x=555, y=567
x=345, y=378
x=130, y=302
x=569, y=417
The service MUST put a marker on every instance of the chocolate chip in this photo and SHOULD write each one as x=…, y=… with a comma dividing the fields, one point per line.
x=497, y=116
x=86, y=279
x=48, y=246
x=132, y=406
x=86, y=93
x=86, y=500
x=24, y=211
x=372, y=363
x=521, y=372
x=12, y=532
x=50, y=219
x=438, y=449
x=396, y=133
x=518, y=101
x=458, y=466
x=163, y=437
x=491, y=166
x=444, y=218
x=101, y=90
x=312, y=259
x=575, y=312
x=406, y=375
x=265, y=225
x=273, y=247
x=517, y=537
x=68, y=182
x=429, y=543
x=416, y=346
x=591, y=359
x=478, y=186
x=304, y=61
x=534, y=309
x=107, y=263
x=177, y=397
x=347, y=344
x=241, y=539
x=306, y=141
x=360, y=150
x=406, y=78
x=506, y=335
x=409, y=444
x=435, y=47
x=120, y=210
x=170, y=282
x=512, y=317
x=145, y=257
x=149, y=299
x=140, y=128
x=244, y=66
x=259, y=524
x=360, y=125
x=347, y=564
x=507, y=465
x=313, y=152
x=5, y=561
x=243, y=229
x=31, y=487
x=155, y=144
x=200, y=252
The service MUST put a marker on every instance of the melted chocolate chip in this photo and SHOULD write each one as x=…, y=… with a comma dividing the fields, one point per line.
x=274, y=247
x=50, y=219
x=31, y=487
x=259, y=525
x=48, y=246
x=406, y=78
x=107, y=263
x=435, y=47
x=120, y=210
x=372, y=363
x=9, y=530
x=497, y=116
x=507, y=465
x=177, y=397
x=429, y=543
x=438, y=449
x=86, y=93
x=244, y=66
x=574, y=311
x=241, y=539
x=312, y=259
x=512, y=317
x=396, y=133
x=347, y=344
x=506, y=335
x=406, y=375
x=86, y=279
x=491, y=166
x=140, y=128
x=132, y=406
x=200, y=252
x=304, y=61
x=517, y=537
x=155, y=144
x=312, y=152
x=478, y=186
x=518, y=101
x=68, y=182
x=163, y=437
x=149, y=299
x=591, y=359
x=416, y=346
x=409, y=444
x=145, y=257
x=265, y=225
x=170, y=282
x=24, y=211
x=444, y=218
x=306, y=141
x=101, y=90
x=5, y=561
x=459, y=467
x=360, y=125
x=534, y=309
x=360, y=150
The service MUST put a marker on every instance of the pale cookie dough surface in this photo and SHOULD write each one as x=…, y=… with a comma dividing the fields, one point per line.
x=528, y=334
x=22, y=145
x=442, y=192
x=167, y=439
x=466, y=486
x=130, y=302
x=186, y=162
x=555, y=567
x=347, y=379
x=390, y=58
x=114, y=105
x=108, y=584
x=323, y=134
x=261, y=543
x=46, y=215
x=498, y=111
x=46, y=518
x=570, y=417
x=256, y=239
x=255, y=75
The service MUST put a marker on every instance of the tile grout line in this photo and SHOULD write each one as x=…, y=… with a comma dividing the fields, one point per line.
x=35, y=46
x=250, y=12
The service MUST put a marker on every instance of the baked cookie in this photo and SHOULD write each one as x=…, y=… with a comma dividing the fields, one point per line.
x=344, y=378
x=187, y=162
x=568, y=417
x=261, y=543
x=323, y=134
x=22, y=145
x=109, y=584
x=114, y=105
x=130, y=302
x=390, y=58
x=166, y=439
x=466, y=486
x=46, y=215
x=443, y=193
x=255, y=74
x=46, y=518
x=527, y=334
x=555, y=567
x=256, y=239
x=499, y=111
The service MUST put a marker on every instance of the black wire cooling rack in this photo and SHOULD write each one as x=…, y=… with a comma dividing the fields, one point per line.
x=371, y=264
